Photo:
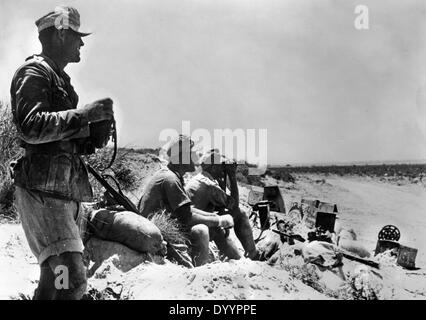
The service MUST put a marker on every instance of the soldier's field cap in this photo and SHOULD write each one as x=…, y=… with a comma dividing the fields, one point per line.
x=62, y=17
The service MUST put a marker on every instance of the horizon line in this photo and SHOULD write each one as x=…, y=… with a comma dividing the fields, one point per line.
x=348, y=162
x=320, y=163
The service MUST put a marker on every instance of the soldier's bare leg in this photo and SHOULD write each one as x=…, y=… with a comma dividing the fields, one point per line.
x=225, y=245
x=200, y=241
x=244, y=232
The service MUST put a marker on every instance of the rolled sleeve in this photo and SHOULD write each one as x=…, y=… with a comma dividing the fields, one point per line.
x=176, y=194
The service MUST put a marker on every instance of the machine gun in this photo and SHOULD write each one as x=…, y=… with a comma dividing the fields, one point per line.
x=290, y=236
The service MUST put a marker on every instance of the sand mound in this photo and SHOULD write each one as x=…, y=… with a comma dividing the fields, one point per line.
x=97, y=251
x=242, y=279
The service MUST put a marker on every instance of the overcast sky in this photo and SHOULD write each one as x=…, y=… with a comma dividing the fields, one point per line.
x=325, y=91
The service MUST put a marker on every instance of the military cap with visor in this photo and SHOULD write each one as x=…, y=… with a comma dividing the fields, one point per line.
x=62, y=17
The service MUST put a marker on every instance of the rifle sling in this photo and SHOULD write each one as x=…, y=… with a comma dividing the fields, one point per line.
x=120, y=198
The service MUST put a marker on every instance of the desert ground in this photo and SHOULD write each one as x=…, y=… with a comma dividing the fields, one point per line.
x=365, y=204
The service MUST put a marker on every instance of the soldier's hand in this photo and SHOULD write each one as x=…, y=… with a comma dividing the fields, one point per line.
x=226, y=221
x=99, y=110
x=163, y=250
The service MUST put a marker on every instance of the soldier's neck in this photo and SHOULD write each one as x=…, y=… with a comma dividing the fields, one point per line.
x=57, y=58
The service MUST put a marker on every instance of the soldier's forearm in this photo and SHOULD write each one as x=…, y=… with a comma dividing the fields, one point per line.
x=203, y=213
x=44, y=127
x=200, y=217
x=234, y=190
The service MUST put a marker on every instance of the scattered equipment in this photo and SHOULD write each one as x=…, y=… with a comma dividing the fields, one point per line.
x=295, y=213
x=325, y=221
x=388, y=240
x=324, y=227
x=264, y=214
x=289, y=237
x=273, y=194
x=263, y=201
x=367, y=262
x=389, y=232
x=407, y=257
x=310, y=208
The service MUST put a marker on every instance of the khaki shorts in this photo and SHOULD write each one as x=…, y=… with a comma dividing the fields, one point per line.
x=50, y=224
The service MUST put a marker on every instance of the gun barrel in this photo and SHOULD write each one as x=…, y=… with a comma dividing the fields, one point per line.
x=121, y=199
x=292, y=236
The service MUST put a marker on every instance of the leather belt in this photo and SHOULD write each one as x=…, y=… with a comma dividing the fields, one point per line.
x=52, y=148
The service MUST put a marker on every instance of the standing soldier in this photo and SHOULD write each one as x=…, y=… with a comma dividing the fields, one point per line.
x=51, y=179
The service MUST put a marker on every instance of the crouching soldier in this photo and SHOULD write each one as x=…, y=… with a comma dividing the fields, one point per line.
x=207, y=194
x=165, y=191
x=51, y=179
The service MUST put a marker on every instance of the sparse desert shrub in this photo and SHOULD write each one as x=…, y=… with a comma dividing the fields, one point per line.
x=7, y=208
x=169, y=228
x=280, y=175
x=9, y=151
x=147, y=151
x=123, y=170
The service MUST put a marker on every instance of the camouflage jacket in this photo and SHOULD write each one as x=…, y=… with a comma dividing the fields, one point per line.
x=50, y=128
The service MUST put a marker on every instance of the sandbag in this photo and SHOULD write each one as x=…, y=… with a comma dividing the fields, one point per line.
x=323, y=254
x=348, y=234
x=269, y=244
x=128, y=228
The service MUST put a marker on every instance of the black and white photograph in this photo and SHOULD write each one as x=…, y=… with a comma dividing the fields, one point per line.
x=226, y=151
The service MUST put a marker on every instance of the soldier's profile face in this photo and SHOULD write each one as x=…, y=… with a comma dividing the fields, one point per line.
x=72, y=45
